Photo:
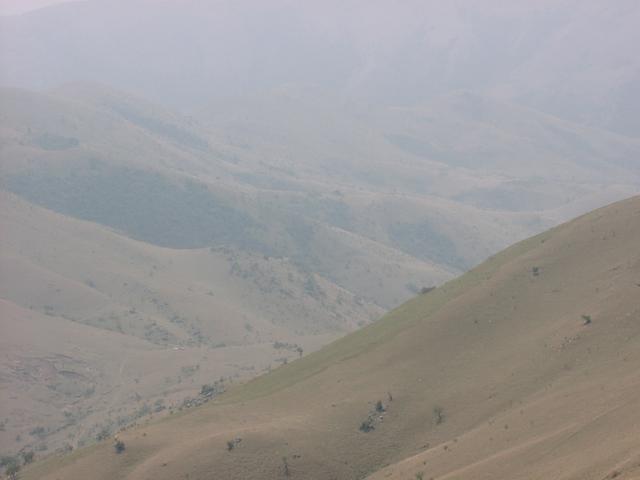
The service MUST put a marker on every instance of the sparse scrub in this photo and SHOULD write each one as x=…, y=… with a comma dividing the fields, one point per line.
x=159, y=405
x=292, y=347
x=367, y=425
x=12, y=471
x=8, y=460
x=11, y=465
x=103, y=434
x=38, y=432
x=375, y=415
x=207, y=390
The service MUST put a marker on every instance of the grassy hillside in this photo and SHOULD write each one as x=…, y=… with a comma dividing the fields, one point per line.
x=525, y=367
x=81, y=151
x=379, y=200
x=200, y=314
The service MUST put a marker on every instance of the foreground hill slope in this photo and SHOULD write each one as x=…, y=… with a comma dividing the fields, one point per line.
x=525, y=367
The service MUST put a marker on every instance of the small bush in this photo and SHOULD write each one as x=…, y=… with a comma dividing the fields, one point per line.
x=27, y=457
x=207, y=390
x=231, y=444
x=367, y=425
x=379, y=406
x=586, y=319
x=119, y=446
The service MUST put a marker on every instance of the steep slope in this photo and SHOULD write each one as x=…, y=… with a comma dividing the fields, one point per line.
x=525, y=367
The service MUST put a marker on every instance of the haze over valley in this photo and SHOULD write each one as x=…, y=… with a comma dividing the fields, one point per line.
x=195, y=194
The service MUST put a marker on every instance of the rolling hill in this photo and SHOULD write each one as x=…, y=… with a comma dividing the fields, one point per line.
x=279, y=220
x=97, y=327
x=120, y=162
x=525, y=367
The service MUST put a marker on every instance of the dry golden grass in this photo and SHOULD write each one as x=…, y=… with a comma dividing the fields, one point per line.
x=527, y=388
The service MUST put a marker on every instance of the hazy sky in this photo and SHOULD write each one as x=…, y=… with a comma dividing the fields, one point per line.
x=12, y=7
x=572, y=58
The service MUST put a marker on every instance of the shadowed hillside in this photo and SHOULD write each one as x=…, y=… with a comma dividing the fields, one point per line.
x=77, y=154
x=525, y=367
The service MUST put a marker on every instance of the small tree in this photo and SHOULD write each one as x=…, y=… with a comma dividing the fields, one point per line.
x=438, y=415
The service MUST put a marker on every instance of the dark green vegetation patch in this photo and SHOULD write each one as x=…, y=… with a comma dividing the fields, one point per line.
x=144, y=205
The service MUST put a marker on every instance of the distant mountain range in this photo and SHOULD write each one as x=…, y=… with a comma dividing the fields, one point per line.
x=574, y=59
